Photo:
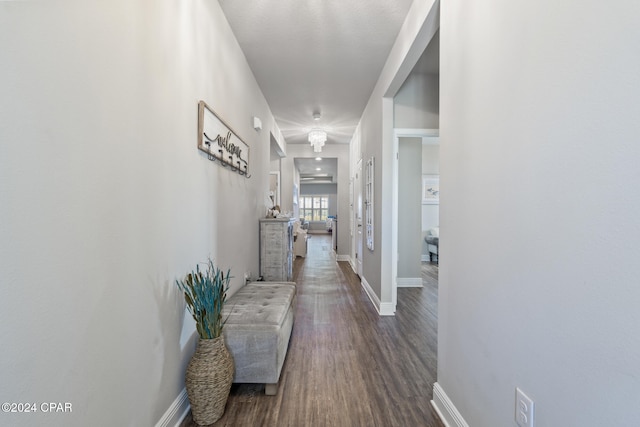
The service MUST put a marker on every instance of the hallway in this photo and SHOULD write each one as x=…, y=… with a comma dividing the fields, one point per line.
x=346, y=365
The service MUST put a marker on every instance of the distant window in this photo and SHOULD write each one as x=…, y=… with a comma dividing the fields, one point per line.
x=314, y=208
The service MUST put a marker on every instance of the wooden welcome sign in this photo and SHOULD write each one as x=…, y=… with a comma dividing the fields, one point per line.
x=220, y=142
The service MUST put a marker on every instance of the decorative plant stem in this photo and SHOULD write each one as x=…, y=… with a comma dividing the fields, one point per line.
x=205, y=294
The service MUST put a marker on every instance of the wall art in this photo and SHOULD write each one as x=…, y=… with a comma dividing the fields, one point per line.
x=220, y=142
x=430, y=189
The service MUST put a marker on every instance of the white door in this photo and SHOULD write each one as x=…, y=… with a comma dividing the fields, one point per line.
x=357, y=197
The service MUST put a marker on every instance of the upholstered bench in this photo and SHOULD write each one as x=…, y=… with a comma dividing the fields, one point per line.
x=258, y=323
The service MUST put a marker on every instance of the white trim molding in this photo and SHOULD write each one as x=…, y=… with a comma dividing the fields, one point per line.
x=177, y=412
x=409, y=282
x=445, y=408
x=431, y=27
x=387, y=309
x=372, y=295
x=383, y=309
x=343, y=258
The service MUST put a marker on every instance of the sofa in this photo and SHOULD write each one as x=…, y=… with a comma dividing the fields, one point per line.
x=432, y=238
x=258, y=324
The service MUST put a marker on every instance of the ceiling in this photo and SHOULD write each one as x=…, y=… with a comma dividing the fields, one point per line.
x=321, y=56
x=309, y=173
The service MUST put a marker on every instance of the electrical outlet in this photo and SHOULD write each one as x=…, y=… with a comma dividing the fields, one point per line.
x=524, y=409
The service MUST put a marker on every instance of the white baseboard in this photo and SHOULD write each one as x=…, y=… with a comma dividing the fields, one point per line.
x=384, y=309
x=387, y=309
x=372, y=295
x=343, y=258
x=176, y=412
x=445, y=408
x=409, y=282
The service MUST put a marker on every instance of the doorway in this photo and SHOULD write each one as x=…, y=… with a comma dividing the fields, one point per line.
x=405, y=234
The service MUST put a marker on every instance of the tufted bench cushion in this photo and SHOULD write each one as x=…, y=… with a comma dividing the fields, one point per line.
x=258, y=323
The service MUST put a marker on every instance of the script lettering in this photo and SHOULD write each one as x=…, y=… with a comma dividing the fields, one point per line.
x=231, y=148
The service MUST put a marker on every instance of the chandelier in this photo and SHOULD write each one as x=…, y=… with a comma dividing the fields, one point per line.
x=317, y=138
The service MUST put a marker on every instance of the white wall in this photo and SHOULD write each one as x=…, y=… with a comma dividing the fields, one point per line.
x=105, y=200
x=416, y=105
x=274, y=165
x=409, y=208
x=540, y=206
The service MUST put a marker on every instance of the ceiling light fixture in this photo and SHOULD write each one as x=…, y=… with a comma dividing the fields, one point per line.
x=317, y=138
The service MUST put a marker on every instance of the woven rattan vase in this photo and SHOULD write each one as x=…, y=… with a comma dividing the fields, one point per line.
x=208, y=380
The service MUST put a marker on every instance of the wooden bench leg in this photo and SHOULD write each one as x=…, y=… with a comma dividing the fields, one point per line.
x=271, y=389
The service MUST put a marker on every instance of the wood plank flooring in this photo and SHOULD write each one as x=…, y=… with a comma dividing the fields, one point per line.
x=346, y=365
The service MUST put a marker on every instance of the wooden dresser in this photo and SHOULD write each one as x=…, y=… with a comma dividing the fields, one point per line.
x=276, y=249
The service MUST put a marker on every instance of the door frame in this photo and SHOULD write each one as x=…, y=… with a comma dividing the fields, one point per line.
x=357, y=217
x=398, y=133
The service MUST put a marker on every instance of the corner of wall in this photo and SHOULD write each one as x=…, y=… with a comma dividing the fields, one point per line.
x=176, y=412
x=445, y=408
x=383, y=308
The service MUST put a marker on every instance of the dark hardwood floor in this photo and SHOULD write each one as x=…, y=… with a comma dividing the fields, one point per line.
x=346, y=365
